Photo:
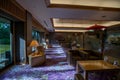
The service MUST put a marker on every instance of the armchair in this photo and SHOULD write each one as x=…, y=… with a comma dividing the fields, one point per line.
x=37, y=58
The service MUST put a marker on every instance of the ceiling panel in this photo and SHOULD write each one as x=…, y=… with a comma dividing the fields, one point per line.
x=81, y=23
x=57, y=30
x=73, y=17
x=99, y=3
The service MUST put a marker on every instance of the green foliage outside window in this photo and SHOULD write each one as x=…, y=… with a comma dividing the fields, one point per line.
x=4, y=32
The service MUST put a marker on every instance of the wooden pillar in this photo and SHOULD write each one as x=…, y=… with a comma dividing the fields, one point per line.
x=83, y=40
x=104, y=33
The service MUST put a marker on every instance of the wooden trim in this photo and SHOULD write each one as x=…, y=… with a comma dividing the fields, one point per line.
x=25, y=37
x=83, y=40
x=18, y=5
x=81, y=7
x=51, y=19
x=14, y=51
x=12, y=8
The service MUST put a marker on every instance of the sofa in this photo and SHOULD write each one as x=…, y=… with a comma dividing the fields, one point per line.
x=37, y=58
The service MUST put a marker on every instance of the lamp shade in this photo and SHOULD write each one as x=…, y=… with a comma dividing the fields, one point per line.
x=34, y=43
x=96, y=27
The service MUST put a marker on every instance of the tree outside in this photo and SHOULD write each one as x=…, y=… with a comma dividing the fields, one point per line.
x=4, y=37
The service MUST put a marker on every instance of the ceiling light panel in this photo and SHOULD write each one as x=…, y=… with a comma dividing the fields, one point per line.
x=57, y=30
x=98, y=3
x=81, y=23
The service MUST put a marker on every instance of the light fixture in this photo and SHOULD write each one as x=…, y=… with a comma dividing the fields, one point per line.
x=96, y=27
x=34, y=45
x=58, y=30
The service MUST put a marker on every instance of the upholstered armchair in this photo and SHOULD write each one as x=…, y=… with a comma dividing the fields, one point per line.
x=38, y=58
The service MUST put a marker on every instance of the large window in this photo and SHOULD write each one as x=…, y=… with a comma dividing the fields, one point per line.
x=5, y=43
x=37, y=35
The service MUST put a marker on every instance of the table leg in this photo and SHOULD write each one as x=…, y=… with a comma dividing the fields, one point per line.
x=86, y=75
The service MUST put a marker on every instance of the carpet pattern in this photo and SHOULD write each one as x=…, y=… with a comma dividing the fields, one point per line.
x=55, y=68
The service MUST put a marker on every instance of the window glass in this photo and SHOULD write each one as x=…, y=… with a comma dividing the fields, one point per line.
x=5, y=43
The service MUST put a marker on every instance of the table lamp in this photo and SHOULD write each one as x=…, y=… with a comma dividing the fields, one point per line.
x=34, y=45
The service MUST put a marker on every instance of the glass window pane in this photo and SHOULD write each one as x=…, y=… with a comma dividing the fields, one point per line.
x=5, y=43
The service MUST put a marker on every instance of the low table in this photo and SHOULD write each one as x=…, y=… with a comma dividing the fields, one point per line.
x=94, y=66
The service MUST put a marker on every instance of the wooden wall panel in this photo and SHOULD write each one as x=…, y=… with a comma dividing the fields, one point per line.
x=13, y=8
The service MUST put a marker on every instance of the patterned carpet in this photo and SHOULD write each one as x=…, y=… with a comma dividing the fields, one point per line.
x=55, y=68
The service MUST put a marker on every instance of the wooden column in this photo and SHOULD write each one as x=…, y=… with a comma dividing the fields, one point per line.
x=83, y=40
x=104, y=33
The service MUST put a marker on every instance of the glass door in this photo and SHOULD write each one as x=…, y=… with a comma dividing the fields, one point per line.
x=5, y=43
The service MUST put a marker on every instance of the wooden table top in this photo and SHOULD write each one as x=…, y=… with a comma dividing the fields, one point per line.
x=93, y=65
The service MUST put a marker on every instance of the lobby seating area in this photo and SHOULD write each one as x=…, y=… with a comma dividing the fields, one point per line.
x=59, y=40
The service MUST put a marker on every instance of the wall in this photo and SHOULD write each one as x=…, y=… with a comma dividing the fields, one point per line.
x=38, y=26
x=112, y=49
x=92, y=41
x=66, y=38
x=20, y=51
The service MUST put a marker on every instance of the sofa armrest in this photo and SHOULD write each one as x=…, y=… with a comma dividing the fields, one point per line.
x=37, y=60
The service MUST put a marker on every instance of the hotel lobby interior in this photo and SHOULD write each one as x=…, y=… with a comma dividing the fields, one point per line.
x=59, y=40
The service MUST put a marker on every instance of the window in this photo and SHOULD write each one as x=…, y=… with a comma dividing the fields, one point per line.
x=37, y=35
x=5, y=43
